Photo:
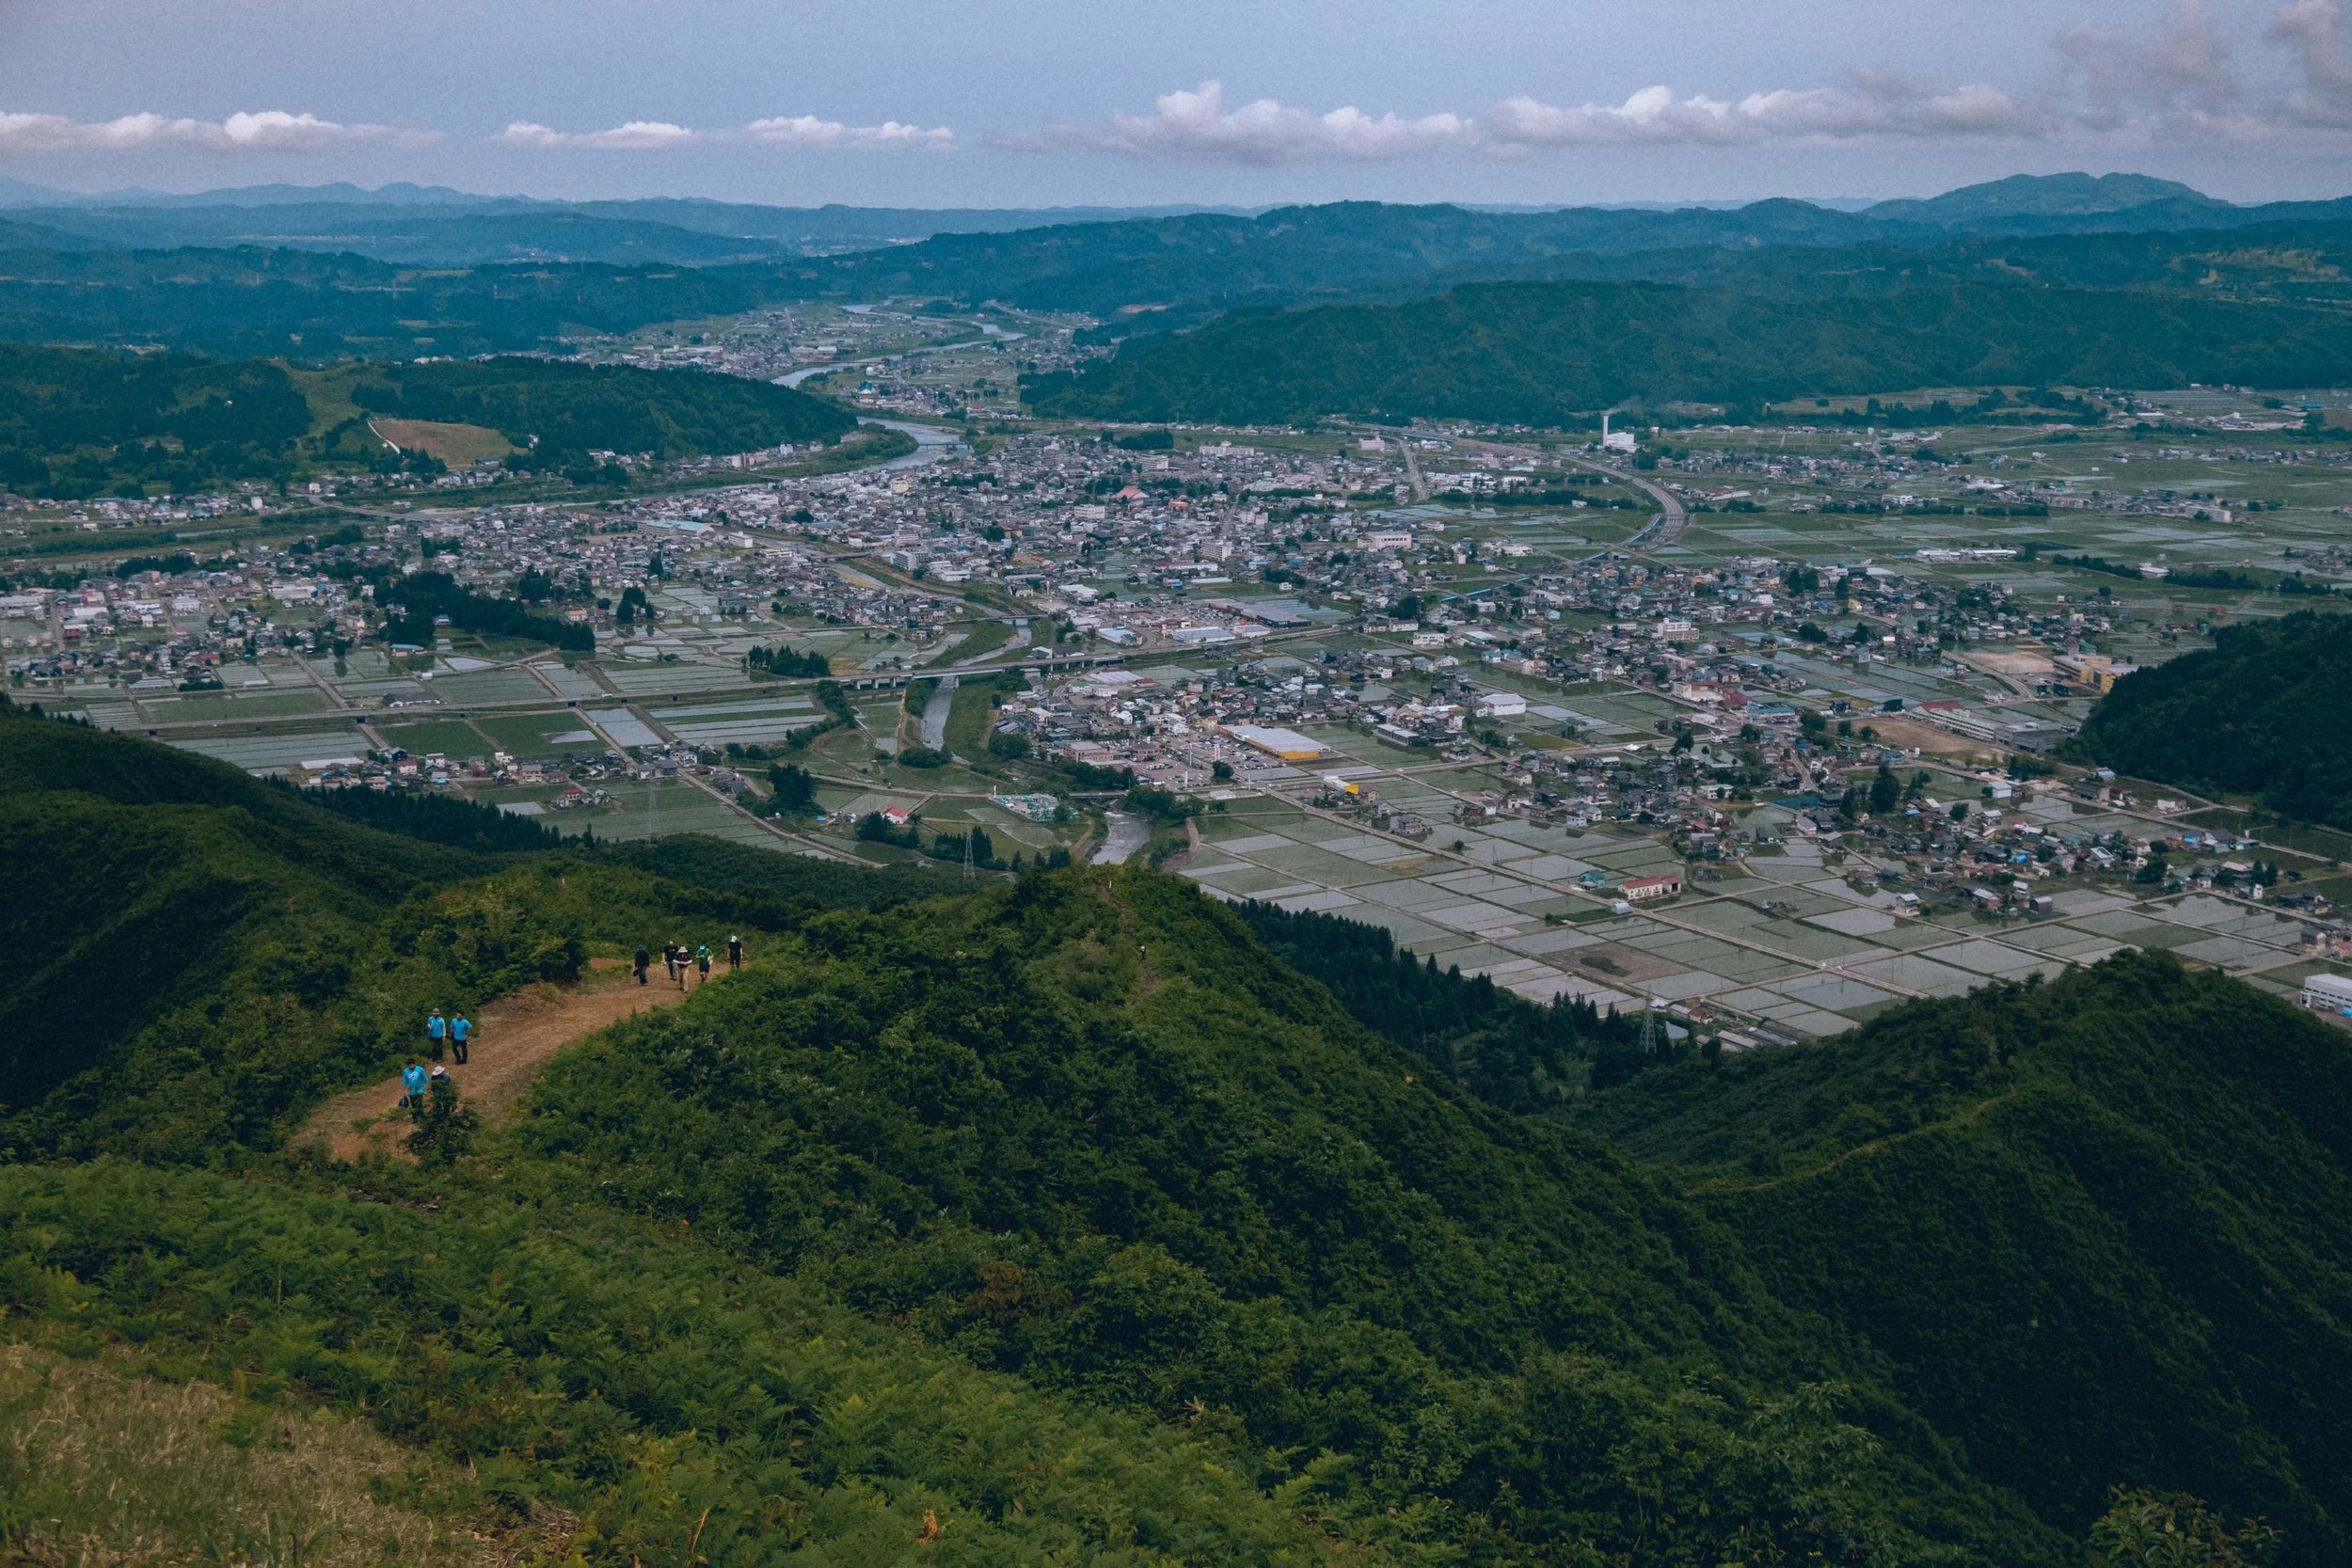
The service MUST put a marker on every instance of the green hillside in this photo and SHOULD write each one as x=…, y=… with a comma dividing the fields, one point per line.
x=2098, y=1231
x=102, y=417
x=76, y=421
x=558, y=408
x=208, y=955
x=1541, y=353
x=1061, y=1221
x=2266, y=711
x=250, y=302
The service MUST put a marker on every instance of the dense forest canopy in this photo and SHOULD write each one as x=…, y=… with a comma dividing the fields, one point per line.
x=1544, y=353
x=250, y=302
x=2266, y=711
x=561, y=407
x=76, y=421
x=136, y=415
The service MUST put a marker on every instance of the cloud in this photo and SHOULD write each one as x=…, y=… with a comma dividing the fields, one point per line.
x=637, y=135
x=783, y=131
x=1871, y=104
x=1198, y=124
x=268, y=130
x=2312, y=30
x=809, y=130
x=2177, y=80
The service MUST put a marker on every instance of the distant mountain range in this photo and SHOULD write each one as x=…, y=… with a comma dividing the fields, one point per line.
x=435, y=225
x=2122, y=278
x=418, y=225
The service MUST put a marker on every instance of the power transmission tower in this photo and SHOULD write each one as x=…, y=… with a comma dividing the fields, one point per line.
x=1649, y=1030
x=968, y=872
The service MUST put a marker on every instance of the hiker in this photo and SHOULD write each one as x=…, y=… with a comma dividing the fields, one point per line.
x=683, y=958
x=438, y=1076
x=460, y=1031
x=436, y=1031
x=412, y=1082
x=702, y=961
x=643, y=959
x=734, y=952
x=669, y=960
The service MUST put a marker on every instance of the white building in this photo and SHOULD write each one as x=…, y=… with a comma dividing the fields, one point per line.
x=2328, y=993
x=1501, y=704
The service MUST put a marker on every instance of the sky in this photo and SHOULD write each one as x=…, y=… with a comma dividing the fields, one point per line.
x=1133, y=103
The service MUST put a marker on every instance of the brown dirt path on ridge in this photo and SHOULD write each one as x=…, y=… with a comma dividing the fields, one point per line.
x=514, y=1037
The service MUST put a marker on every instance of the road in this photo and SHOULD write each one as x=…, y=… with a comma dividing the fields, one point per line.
x=943, y=698
x=1671, y=521
x=1412, y=468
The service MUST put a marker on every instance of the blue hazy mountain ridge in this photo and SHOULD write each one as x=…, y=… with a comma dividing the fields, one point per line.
x=413, y=235
x=398, y=222
x=1187, y=260
x=2044, y=195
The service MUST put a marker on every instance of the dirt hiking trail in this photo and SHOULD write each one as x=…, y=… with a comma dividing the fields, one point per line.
x=513, y=1039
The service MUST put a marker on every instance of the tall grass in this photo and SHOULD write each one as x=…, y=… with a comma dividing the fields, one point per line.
x=99, y=1469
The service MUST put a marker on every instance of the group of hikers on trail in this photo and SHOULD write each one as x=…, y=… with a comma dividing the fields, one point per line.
x=452, y=1031
x=678, y=961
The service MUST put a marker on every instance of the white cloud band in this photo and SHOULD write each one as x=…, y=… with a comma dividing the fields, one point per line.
x=268, y=130
x=1266, y=131
x=637, y=135
x=783, y=131
x=2175, y=81
x=809, y=130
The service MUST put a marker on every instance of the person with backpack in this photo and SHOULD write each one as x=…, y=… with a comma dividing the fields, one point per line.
x=701, y=961
x=460, y=1032
x=412, y=1083
x=643, y=959
x=734, y=952
x=436, y=1031
x=684, y=960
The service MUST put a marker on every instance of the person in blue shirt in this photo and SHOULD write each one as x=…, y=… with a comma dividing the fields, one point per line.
x=413, y=1079
x=436, y=1031
x=460, y=1031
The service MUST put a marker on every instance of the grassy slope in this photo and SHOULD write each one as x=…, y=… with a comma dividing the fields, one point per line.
x=692, y=1411
x=2098, y=1227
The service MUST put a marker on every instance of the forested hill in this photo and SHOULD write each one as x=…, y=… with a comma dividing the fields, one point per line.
x=1542, y=353
x=1059, y=1220
x=2099, y=1229
x=435, y=282
x=2266, y=711
x=570, y=408
x=74, y=420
